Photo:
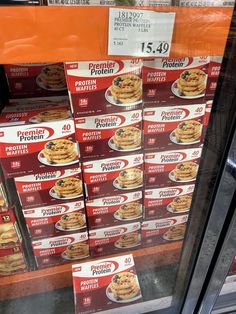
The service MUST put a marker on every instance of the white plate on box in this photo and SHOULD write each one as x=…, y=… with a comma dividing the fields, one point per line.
x=111, y=100
x=174, y=140
x=113, y=299
x=116, y=185
x=112, y=145
x=117, y=216
x=41, y=85
x=170, y=209
x=60, y=228
x=172, y=178
x=117, y=245
x=175, y=91
x=165, y=237
x=53, y=194
x=44, y=161
x=64, y=255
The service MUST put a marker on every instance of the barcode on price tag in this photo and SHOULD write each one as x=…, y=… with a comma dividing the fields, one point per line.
x=141, y=33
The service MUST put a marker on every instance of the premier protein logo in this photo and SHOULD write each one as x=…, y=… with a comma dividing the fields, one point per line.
x=101, y=68
x=47, y=176
x=109, y=121
x=175, y=63
x=174, y=114
x=170, y=192
x=55, y=210
x=114, y=200
x=163, y=224
x=61, y=242
x=173, y=157
x=115, y=232
x=114, y=165
x=34, y=134
x=104, y=268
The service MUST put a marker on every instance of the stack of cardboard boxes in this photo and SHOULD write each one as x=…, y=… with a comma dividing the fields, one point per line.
x=121, y=158
x=106, y=99
x=39, y=150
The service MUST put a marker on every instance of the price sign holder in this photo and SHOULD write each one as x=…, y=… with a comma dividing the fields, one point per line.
x=141, y=33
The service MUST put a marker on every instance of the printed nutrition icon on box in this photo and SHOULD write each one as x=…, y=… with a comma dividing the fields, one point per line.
x=105, y=284
x=100, y=87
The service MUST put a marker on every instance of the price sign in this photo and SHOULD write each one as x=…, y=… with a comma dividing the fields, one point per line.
x=141, y=33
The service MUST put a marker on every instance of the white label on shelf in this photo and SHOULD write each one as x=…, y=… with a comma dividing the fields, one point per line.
x=141, y=33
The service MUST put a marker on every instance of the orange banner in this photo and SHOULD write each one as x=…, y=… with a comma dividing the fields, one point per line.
x=49, y=34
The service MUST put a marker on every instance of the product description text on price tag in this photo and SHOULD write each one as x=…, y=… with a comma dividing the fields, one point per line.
x=141, y=33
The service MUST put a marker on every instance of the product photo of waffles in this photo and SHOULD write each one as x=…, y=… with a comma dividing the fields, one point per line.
x=127, y=138
x=130, y=178
x=61, y=151
x=126, y=89
x=8, y=235
x=185, y=171
x=51, y=115
x=175, y=233
x=180, y=204
x=124, y=286
x=128, y=240
x=129, y=211
x=11, y=263
x=72, y=221
x=188, y=131
x=52, y=77
x=76, y=251
x=68, y=188
x=191, y=83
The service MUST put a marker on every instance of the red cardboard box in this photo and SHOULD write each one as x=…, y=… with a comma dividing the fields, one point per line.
x=116, y=239
x=61, y=250
x=161, y=231
x=114, y=210
x=100, y=87
x=173, y=127
x=98, y=285
x=45, y=145
x=167, y=201
x=180, y=81
x=50, y=188
x=109, y=135
x=55, y=220
x=41, y=79
x=23, y=113
x=36, y=103
x=213, y=75
x=170, y=168
x=113, y=175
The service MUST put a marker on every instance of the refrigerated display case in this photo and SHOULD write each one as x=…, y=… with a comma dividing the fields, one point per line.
x=184, y=171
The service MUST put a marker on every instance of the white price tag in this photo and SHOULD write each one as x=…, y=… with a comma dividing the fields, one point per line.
x=141, y=33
